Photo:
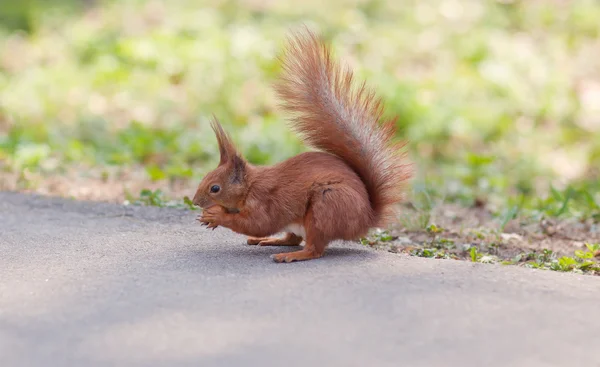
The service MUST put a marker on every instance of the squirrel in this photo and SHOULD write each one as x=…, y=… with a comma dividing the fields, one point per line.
x=339, y=192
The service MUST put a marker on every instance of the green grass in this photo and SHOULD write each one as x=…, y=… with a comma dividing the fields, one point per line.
x=583, y=261
x=157, y=198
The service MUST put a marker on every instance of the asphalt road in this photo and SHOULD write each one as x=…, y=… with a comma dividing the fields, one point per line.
x=85, y=284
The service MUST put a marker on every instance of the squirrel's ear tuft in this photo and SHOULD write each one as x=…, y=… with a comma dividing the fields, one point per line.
x=226, y=147
x=238, y=170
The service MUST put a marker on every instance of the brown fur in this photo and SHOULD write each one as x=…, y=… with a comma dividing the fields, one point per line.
x=341, y=192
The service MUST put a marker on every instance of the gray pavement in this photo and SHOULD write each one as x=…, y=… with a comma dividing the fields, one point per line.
x=88, y=284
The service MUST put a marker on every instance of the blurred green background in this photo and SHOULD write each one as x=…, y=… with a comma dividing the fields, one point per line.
x=500, y=99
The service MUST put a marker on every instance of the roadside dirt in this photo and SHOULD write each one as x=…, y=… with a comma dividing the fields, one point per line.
x=456, y=229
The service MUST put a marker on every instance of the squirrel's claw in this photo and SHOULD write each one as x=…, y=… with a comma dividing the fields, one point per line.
x=200, y=219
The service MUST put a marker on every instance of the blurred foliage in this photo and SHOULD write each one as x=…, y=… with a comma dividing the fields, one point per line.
x=24, y=15
x=499, y=99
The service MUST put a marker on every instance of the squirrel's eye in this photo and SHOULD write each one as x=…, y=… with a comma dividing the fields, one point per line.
x=214, y=189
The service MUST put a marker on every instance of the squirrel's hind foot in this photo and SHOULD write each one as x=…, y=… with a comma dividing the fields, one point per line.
x=307, y=253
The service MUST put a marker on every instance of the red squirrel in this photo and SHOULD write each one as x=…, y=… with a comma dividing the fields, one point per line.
x=350, y=185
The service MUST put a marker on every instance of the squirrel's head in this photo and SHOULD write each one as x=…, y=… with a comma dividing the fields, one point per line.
x=226, y=185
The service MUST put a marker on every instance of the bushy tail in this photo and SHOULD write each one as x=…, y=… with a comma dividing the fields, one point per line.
x=333, y=116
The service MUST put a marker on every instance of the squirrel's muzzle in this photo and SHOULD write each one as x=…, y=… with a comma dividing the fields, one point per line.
x=202, y=201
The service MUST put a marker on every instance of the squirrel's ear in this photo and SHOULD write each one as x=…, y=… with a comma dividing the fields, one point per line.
x=238, y=170
x=226, y=147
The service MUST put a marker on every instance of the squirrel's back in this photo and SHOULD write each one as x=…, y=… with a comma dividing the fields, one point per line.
x=333, y=116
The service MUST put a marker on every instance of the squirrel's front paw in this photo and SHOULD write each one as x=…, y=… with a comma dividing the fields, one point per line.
x=213, y=216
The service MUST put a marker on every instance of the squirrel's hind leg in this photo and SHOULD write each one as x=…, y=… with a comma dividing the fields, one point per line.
x=336, y=211
x=290, y=239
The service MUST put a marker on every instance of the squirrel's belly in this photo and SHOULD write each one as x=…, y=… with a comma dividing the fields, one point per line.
x=296, y=229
